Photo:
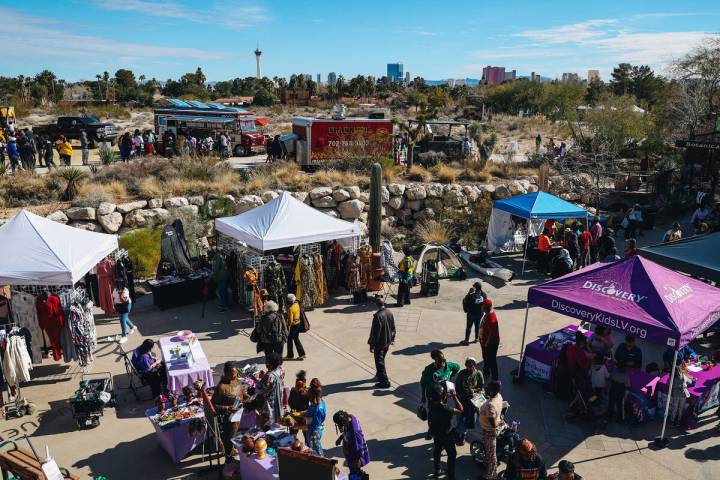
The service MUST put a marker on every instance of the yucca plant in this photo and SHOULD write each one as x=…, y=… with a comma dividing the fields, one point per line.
x=72, y=176
x=432, y=231
x=107, y=156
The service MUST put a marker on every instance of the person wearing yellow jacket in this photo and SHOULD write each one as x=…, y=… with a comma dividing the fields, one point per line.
x=294, y=322
x=407, y=273
x=65, y=149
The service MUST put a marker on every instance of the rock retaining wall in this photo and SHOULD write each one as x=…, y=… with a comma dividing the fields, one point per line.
x=403, y=204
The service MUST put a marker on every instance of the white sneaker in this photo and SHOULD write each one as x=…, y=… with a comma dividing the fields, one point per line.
x=133, y=329
x=122, y=340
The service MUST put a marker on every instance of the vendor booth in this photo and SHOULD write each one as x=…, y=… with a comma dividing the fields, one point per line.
x=49, y=312
x=698, y=256
x=639, y=298
x=252, y=244
x=513, y=220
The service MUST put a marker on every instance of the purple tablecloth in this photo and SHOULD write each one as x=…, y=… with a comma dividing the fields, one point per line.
x=266, y=469
x=176, y=440
x=180, y=375
x=704, y=394
x=538, y=362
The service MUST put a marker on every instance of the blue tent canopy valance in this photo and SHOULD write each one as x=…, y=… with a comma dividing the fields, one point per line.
x=538, y=206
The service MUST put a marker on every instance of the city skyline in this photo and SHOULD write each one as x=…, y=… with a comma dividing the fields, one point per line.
x=167, y=38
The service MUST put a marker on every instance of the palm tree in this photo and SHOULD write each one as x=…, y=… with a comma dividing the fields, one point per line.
x=99, y=85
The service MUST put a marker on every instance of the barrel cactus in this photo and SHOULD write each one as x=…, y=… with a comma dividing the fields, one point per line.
x=375, y=216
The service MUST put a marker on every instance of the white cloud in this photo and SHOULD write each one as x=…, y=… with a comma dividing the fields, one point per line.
x=226, y=13
x=575, y=32
x=425, y=33
x=47, y=39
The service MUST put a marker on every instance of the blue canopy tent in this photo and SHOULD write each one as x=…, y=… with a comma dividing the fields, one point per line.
x=506, y=234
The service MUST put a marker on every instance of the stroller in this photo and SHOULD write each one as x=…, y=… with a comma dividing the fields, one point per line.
x=505, y=444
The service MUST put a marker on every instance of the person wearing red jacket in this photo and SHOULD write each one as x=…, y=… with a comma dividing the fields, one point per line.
x=489, y=340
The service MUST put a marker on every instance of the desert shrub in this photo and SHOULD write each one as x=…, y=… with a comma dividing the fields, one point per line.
x=25, y=188
x=224, y=207
x=107, y=156
x=445, y=173
x=91, y=193
x=433, y=231
x=143, y=246
x=73, y=177
x=470, y=223
x=224, y=181
x=184, y=186
x=431, y=158
x=150, y=187
x=418, y=174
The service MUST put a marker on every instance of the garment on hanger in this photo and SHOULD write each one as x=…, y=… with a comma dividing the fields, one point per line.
x=4, y=309
x=307, y=292
x=91, y=281
x=69, y=354
x=82, y=327
x=16, y=361
x=106, y=285
x=22, y=306
x=251, y=279
x=365, y=254
x=124, y=274
x=51, y=320
x=275, y=283
x=320, y=280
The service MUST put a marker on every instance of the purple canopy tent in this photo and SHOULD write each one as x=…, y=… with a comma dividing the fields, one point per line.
x=635, y=296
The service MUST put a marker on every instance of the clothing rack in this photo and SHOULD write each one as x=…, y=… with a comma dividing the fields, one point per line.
x=250, y=257
x=38, y=289
x=119, y=254
x=308, y=249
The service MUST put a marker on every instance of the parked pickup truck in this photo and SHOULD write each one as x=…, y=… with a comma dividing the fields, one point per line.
x=71, y=126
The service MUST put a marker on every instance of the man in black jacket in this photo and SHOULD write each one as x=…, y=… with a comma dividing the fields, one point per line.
x=382, y=335
x=472, y=306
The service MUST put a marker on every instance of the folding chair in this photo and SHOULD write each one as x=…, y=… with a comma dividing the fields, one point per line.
x=132, y=374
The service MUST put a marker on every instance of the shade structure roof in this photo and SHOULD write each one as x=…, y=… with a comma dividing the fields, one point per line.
x=38, y=251
x=539, y=205
x=284, y=222
x=635, y=296
x=698, y=255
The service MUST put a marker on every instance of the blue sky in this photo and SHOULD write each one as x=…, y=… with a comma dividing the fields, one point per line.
x=436, y=40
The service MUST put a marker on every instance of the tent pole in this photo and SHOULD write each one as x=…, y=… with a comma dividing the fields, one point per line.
x=661, y=440
x=522, y=343
x=527, y=240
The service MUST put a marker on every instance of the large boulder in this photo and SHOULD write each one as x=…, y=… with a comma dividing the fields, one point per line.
x=105, y=208
x=434, y=190
x=58, y=216
x=340, y=195
x=111, y=222
x=191, y=210
x=351, y=209
x=323, y=202
x=154, y=203
x=160, y=215
x=198, y=200
x=364, y=197
x=136, y=218
x=302, y=196
x=80, y=213
x=516, y=188
x=455, y=198
x=247, y=202
x=268, y=195
x=532, y=188
x=354, y=192
x=175, y=202
x=384, y=194
x=320, y=192
x=130, y=206
x=501, y=191
x=396, y=189
x=396, y=203
x=89, y=226
x=471, y=193
x=415, y=192
x=487, y=190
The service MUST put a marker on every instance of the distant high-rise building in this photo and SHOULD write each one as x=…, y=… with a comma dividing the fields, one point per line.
x=450, y=82
x=318, y=79
x=534, y=77
x=460, y=82
x=593, y=76
x=308, y=77
x=407, y=77
x=395, y=71
x=570, y=77
x=332, y=78
x=497, y=75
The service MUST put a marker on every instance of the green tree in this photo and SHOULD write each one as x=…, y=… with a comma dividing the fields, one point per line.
x=263, y=97
x=621, y=82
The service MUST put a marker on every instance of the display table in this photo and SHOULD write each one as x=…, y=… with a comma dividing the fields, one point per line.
x=175, y=437
x=252, y=468
x=539, y=361
x=175, y=291
x=703, y=395
x=179, y=374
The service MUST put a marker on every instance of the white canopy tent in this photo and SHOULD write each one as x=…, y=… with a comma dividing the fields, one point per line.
x=284, y=222
x=38, y=251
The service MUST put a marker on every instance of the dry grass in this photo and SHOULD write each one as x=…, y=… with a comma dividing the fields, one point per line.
x=225, y=182
x=390, y=172
x=445, y=173
x=91, y=193
x=432, y=231
x=150, y=187
x=185, y=186
x=418, y=174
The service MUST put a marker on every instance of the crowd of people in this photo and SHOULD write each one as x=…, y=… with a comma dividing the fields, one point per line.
x=27, y=151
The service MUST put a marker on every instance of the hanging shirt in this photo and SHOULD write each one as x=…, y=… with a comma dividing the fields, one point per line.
x=24, y=311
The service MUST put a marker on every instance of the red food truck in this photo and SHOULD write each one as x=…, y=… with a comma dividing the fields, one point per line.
x=320, y=140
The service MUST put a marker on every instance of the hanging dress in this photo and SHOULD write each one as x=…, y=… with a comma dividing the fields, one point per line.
x=106, y=285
